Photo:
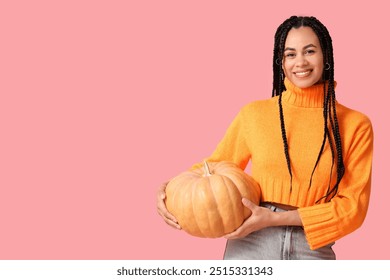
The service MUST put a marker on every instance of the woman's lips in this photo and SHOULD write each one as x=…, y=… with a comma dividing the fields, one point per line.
x=303, y=74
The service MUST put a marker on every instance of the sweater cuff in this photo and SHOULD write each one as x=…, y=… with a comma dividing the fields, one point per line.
x=319, y=226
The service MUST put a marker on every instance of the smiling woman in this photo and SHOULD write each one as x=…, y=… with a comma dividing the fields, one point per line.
x=303, y=62
x=311, y=156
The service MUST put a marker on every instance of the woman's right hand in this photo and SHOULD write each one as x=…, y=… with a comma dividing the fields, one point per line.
x=162, y=209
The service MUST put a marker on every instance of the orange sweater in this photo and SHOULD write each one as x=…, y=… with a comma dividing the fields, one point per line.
x=255, y=135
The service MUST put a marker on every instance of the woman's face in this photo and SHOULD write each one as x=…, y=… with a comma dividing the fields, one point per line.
x=303, y=61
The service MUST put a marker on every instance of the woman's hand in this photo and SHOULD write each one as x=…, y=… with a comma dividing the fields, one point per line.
x=162, y=209
x=259, y=219
x=263, y=217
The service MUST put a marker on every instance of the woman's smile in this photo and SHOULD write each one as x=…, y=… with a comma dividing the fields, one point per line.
x=303, y=74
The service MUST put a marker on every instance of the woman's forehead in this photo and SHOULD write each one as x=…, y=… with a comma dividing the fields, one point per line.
x=301, y=37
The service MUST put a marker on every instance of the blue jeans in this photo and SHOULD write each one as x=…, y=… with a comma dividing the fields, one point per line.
x=276, y=243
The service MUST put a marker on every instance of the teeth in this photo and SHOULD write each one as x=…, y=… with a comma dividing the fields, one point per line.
x=302, y=74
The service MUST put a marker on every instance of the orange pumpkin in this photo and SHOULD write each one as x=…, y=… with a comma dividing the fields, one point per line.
x=207, y=202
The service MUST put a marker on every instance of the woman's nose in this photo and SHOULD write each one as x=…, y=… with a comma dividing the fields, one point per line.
x=301, y=60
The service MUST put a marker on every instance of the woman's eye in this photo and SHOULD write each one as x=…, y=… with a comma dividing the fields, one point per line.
x=290, y=55
x=310, y=51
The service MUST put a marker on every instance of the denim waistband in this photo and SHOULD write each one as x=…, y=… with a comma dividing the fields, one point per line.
x=272, y=207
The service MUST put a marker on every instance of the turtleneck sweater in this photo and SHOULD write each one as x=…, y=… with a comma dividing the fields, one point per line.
x=255, y=135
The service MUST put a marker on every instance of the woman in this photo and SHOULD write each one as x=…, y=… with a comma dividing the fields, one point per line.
x=311, y=155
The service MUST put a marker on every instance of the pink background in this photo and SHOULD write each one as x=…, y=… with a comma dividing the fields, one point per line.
x=102, y=101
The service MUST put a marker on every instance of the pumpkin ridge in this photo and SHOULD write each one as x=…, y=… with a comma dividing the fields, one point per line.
x=214, y=217
x=180, y=208
x=202, y=215
x=232, y=192
x=193, y=214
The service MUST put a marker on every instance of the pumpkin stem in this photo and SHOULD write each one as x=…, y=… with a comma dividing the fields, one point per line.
x=207, y=171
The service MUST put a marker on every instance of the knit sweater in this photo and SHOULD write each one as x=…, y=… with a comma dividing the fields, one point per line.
x=255, y=135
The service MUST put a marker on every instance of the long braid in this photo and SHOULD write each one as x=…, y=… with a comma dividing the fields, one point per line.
x=340, y=163
x=278, y=84
x=326, y=132
x=332, y=149
x=336, y=132
x=285, y=140
x=329, y=110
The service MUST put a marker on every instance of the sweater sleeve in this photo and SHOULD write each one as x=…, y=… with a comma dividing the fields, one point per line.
x=328, y=222
x=233, y=146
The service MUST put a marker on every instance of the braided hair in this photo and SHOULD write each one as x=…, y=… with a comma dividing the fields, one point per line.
x=329, y=111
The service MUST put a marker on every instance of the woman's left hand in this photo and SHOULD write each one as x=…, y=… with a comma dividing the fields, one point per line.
x=259, y=219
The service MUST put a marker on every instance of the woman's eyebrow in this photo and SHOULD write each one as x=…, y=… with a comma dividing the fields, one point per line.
x=305, y=47
x=310, y=46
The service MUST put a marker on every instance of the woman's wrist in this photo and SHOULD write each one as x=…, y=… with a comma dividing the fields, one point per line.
x=286, y=218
